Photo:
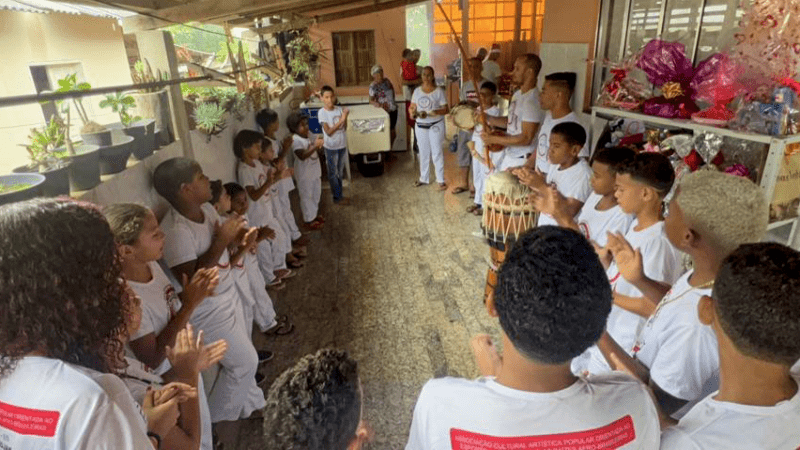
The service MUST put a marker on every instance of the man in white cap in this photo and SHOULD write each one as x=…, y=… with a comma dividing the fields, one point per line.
x=491, y=70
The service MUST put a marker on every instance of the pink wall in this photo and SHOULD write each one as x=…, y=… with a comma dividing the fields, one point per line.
x=390, y=39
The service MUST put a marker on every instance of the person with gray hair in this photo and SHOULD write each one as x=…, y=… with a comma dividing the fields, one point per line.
x=381, y=95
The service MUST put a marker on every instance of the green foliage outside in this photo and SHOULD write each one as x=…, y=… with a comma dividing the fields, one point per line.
x=418, y=32
x=212, y=40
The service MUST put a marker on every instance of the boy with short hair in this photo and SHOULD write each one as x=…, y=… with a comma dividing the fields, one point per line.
x=480, y=167
x=552, y=299
x=569, y=175
x=710, y=214
x=317, y=404
x=600, y=214
x=197, y=238
x=555, y=101
x=641, y=187
x=753, y=312
x=334, y=121
x=307, y=168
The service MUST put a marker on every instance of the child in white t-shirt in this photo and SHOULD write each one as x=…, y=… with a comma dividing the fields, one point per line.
x=307, y=169
x=552, y=299
x=480, y=168
x=569, y=174
x=63, y=309
x=247, y=147
x=753, y=312
x=600, y=214
x=641, y=187
x=710, y=215
x=196, y=238
x=333, y=120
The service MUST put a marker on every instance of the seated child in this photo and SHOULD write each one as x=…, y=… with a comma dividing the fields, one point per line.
x=641, y=187
x=64, y=308
x=253, y=177
x=710, y=215
x=568, y=173
x=600, y=214
x=267, y=119
x=317, y=404
x=196, y=238
x=753, y=312
x=480, y=168
x=263, y=311
x=188, y=357
x=307, y=169
x=552, y=299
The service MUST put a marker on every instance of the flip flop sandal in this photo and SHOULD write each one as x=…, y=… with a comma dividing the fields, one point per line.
x=478, y=211
x=459, y=190
x=264, y=356
x=319, y=218
x=281, y=329
x=314, y=225
x=419, y=183
x=277, y=285
x=295, y=264
x=442, y=186
x=472, y=208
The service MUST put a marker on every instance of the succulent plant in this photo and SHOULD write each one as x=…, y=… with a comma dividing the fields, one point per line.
x=45, y=147
x=209, y=118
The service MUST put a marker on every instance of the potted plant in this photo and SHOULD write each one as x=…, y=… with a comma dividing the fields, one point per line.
x=304, y=56
x=153, y=102
x=17, y=187
x=142, y=130
x=49, y=157
x=91, y=132
x=210, y=119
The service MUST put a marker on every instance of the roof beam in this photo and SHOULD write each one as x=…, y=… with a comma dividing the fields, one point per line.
x=130, y=5
x=330, y=17
x=302, y=7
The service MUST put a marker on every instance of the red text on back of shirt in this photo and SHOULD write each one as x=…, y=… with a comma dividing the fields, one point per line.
x=611, y=436
x=30, y=422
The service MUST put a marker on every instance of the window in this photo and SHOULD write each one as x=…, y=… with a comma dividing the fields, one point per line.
x=490, y=21
x=704, y=27
x=353, y=57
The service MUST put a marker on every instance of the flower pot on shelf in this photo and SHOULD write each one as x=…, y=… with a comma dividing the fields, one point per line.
x=156, y=105
x=143, y=132
x=17, y=187
x=114, y=158
x=100, y=139
x=84, y=172
x=56, y=181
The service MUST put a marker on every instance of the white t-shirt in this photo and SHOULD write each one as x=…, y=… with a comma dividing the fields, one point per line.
x=428, y=102
x=661, y=262
x=543, y=139
x=259, y=211
x=459, y=414
x=523, y=108
x=47, y=404
x=285, y=185
x=713, y=424
x=339, y=140
x=494, y=111
x=469, y=92
x=491, y=71
x=572, y=182
x=305, y=168
x=680, y=351
x=594, y=224
x=185, y=241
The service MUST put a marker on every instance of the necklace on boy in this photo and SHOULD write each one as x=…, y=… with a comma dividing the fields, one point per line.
x=665, y=301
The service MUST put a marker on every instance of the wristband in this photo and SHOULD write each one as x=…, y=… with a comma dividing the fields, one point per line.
x=155, y=436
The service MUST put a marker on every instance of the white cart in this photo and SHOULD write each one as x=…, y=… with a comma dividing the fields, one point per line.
x=368, y=136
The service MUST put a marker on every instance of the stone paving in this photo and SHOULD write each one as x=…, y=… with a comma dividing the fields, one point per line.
x=396, y=278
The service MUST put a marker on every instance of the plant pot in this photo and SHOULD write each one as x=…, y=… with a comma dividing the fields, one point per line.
x=114, y=158
x=33, y=189
x=84, y=172
x=100, y=139
x=56, y=181
x=144, y=134
x=155, y=105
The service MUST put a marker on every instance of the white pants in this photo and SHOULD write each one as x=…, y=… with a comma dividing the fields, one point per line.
x=263, y=310
x=310, y=189
x=430, y=143
x=286, y=186
x=235, y=394
x=479, y=174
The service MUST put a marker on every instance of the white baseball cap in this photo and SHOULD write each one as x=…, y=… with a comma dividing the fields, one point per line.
x=375, y=69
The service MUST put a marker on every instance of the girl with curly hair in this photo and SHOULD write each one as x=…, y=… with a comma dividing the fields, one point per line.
x=62, y=312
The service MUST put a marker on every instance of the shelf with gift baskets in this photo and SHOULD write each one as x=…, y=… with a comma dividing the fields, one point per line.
x=784, y=229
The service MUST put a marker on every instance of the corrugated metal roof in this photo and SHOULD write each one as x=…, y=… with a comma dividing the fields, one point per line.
x=47, y=6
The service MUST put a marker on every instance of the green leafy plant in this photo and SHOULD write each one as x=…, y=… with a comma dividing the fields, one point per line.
x=70, y=84
x=209, y=118
x=304, y=55
x=120, y=103
x=45, y=149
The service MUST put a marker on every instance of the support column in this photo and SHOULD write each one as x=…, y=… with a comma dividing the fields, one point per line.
x=158, y=48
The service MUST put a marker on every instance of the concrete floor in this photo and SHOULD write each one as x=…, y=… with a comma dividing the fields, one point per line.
x=396, y=278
